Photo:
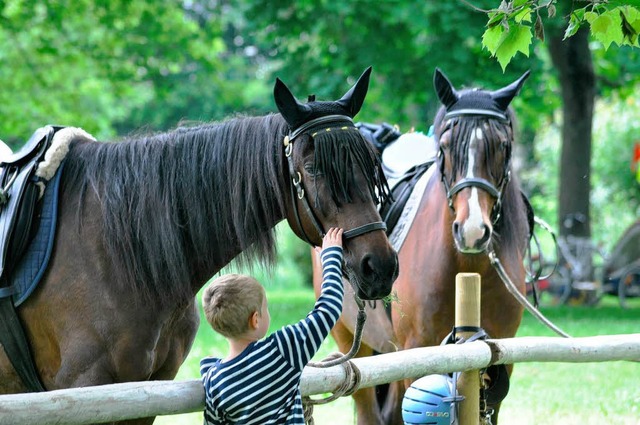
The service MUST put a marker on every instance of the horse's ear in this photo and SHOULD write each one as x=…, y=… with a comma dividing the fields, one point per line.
x=444, y=89
x=293, y=112
x=353, y=99
x=505, y=95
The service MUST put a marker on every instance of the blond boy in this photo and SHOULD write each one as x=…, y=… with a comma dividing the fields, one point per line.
x=259, y=380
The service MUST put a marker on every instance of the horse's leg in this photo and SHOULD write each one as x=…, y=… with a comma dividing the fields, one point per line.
x=496, y=407
x=367, y=410
x=391, y=411
x=182, y=332
x=501, y=313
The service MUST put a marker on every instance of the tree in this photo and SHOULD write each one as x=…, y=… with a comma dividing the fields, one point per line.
x=509, y=31
x=509, y=28
x=111, y=67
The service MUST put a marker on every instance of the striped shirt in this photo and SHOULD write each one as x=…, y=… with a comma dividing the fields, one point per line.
x=262, y=384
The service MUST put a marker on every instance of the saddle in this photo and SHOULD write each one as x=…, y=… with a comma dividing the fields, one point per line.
x=381, y=136
x=392, y=209
x=20, y=190
x=19, y=194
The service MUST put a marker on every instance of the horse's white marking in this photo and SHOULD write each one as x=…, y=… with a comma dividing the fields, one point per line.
x=473, y=228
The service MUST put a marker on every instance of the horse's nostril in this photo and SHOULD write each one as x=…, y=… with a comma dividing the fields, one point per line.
x=486, y=235
x=457, y=232
x=367, y=266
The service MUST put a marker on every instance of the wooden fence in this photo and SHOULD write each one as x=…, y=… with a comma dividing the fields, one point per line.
x=134, y=400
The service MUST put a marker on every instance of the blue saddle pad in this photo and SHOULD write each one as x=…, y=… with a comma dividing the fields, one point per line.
x=31, y=267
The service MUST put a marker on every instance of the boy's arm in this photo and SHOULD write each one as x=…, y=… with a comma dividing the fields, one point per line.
x=301, y=341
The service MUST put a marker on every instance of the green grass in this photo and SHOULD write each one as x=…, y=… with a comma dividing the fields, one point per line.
x=541, y=393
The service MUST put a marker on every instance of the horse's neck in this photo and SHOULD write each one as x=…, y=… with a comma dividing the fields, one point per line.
x=246, y=195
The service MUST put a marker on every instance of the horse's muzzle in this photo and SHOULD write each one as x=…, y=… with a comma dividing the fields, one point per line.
x=375, y=276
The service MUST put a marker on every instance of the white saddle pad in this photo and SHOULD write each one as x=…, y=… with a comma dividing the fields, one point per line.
x=406, y=151
x=5, y=151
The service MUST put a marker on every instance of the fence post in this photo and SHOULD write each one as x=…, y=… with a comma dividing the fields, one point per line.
x=468, y=314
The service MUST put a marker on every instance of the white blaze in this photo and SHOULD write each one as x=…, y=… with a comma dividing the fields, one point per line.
x=473, y=228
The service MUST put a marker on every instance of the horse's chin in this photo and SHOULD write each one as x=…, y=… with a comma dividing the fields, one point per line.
x=470, y=250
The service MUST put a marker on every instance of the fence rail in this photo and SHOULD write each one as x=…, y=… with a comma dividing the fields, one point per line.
x=141, y=399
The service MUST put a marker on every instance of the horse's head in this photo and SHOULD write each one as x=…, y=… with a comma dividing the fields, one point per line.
x=474, y=133
x=335, y=180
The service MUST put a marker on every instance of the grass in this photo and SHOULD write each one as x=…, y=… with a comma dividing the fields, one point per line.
x=541, y=393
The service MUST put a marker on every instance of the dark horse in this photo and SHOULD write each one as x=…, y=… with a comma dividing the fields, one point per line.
x=144, y=223
x=471, y=204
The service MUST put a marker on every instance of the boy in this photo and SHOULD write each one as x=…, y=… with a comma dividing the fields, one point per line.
x=259, y=381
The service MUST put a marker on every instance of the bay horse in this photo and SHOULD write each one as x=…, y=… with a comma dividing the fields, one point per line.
x=145, y=222
x=471, y=203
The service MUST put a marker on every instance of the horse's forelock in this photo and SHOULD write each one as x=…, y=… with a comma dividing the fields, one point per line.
x=337, y=154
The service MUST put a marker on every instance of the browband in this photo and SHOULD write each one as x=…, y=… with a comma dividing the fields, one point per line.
x=485, y=112
x=318, y=122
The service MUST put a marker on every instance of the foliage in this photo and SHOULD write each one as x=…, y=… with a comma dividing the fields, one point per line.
x=511, y=26
x=111, y=67
x=615, y=193
x=403, y=41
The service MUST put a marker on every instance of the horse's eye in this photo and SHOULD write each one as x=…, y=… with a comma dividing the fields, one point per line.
x=309, y=168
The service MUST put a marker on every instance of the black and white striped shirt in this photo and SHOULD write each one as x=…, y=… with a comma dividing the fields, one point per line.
x=262, y=384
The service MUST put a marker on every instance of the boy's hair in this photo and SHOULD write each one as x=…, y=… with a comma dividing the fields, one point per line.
x=229, y=301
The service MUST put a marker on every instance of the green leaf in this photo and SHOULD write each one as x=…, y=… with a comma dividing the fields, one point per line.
x=573, y=27
x=603, y=30
x=518, y=39
x=523, y=15
x=495, y=18
x=491, y=38
x=590, y=17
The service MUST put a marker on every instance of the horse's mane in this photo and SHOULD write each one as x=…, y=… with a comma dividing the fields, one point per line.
x=192, y=194
x=175, y=203
x=511, y=231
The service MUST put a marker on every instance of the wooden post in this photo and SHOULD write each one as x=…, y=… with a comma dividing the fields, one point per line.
x=468, y=314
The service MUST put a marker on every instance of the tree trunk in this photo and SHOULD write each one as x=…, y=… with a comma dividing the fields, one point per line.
x=572, y=59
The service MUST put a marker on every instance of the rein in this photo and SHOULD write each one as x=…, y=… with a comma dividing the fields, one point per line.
x=351, y=383
x=297, y=190
x=511, y=287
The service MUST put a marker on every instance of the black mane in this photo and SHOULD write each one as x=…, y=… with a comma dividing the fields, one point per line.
x=176, y=205
x=189, y=194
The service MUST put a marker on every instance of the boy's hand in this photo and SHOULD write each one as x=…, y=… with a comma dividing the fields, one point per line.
x=332, y=238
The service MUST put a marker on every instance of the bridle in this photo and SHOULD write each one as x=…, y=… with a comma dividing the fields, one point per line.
x=342, y=122
x=487, y=186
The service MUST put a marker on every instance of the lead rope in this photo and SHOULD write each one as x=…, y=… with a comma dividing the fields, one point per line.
x=352, y=379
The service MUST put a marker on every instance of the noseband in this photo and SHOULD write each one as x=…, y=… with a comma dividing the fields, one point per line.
x=487, y=186
x=342, y=122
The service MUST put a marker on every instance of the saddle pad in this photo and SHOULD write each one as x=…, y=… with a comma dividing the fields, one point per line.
x=399, y=233
x=31, y=267
x=407, y=151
